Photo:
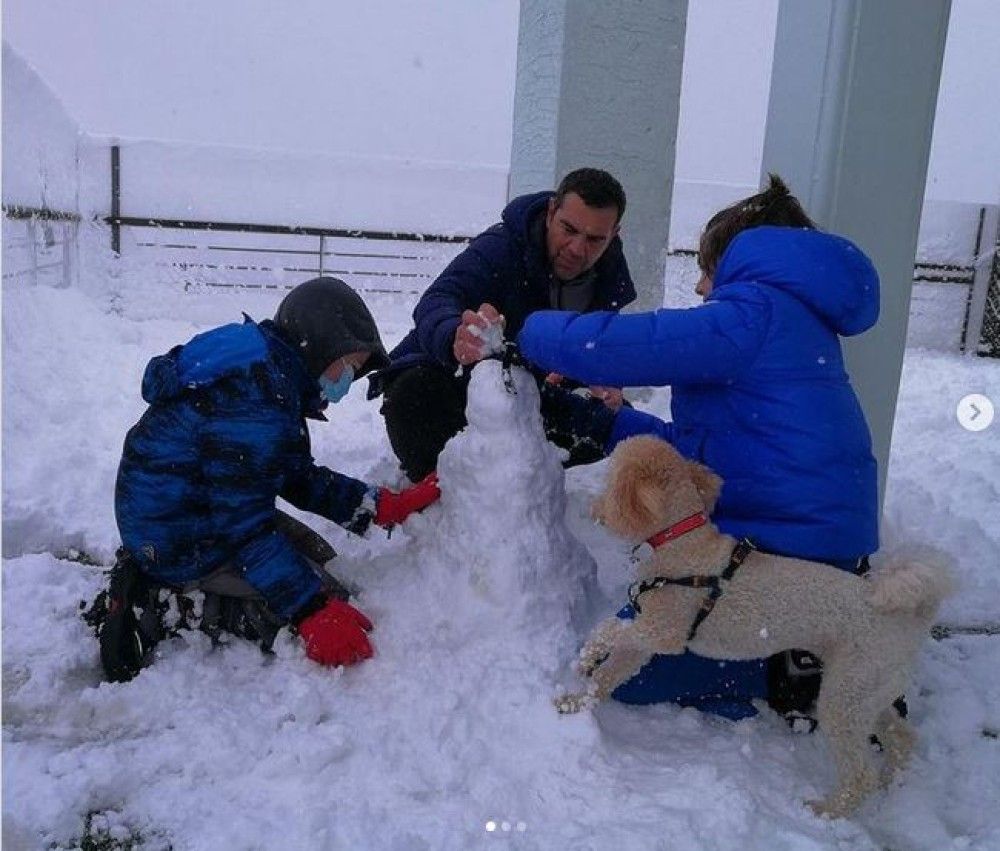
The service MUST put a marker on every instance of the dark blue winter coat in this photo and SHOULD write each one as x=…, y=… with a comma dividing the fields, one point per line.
x=505, y=266
x=759, y=389
x=224, y=435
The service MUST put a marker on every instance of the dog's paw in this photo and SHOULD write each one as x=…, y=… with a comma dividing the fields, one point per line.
x=833, y=807
x=590, y=660
x=570, y=704
x=824, y=809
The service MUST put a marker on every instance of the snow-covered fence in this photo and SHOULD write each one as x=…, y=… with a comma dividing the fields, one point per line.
x=39, y=247
x=956, y=288
x=982, y=325
x=234, y=255
x=231, y=242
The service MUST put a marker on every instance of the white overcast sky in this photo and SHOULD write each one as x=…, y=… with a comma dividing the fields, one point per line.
x=434, y=79
x=428, y=80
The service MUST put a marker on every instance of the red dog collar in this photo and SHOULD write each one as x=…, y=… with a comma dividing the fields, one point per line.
x=688, y=524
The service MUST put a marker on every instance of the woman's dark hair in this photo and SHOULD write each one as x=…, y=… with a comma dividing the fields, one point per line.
x=774, y=206
x=595, y=187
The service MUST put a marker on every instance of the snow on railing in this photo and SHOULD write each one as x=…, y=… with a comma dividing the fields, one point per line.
x=255, y=256
x=39, y=246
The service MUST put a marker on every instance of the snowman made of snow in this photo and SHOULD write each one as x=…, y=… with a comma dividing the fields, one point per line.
x=498, y=539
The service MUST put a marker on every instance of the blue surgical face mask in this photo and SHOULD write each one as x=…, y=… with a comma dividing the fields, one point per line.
x=334, y=391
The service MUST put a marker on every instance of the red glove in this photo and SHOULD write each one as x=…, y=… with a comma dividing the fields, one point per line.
x=335, y=635
x=393, y=507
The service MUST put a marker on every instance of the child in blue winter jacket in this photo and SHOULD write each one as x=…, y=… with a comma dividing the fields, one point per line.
x=761, y=396
x=224, y=435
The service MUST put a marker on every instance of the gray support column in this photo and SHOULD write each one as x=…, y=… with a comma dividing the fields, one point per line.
x=853, y=94
x=598, y=84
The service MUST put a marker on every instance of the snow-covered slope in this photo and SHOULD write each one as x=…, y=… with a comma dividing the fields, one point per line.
x=449, y=731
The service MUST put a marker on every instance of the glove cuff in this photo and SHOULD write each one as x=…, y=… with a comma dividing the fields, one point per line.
x=313, y=605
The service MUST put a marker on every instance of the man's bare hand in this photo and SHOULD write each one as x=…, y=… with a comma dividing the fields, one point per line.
x=475, y=336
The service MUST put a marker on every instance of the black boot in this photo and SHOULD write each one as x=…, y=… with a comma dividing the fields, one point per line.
x=125, y=620
x=793, y=680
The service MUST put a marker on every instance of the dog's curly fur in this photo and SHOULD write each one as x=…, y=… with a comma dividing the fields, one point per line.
x=865, y=630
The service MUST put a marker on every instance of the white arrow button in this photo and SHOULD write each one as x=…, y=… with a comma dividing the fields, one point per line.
x=975, y=412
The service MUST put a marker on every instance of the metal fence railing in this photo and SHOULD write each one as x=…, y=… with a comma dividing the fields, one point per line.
x=981, y=331
x=241, y=255
x=39, y=246
x=988, y=336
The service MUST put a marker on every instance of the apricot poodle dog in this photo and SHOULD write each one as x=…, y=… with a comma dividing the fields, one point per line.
x=865, y=630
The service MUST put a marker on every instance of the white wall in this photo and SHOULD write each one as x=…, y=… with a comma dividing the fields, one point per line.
x=40, y=169
x=184, y=180
x=40, y=141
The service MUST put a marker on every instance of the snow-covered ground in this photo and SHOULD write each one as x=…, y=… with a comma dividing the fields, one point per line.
x=447, y=739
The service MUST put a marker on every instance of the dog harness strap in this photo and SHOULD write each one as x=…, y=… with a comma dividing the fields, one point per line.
x=740, y=552
x=713, y=583
x=688, y=524
x=637, y=589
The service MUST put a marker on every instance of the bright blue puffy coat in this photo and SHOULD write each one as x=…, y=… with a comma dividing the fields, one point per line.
x=224, y=435
x=503, y=266
x=759, y=389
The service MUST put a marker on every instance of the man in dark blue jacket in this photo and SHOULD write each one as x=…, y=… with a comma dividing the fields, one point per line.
x=225, y=435
x=550, y=250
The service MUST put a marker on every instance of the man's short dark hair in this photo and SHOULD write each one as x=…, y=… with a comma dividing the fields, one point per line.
x=595, y=187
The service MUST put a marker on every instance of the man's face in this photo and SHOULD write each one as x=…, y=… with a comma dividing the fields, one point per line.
x=577, y=235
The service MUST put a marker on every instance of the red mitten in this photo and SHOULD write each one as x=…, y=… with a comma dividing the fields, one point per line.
x=335, y=635
x=392, y=507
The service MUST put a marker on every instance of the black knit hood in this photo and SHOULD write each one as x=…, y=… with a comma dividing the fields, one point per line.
x=323, y=320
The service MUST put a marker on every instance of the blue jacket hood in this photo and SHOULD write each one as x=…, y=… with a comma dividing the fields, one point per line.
x=228, y=350
x=828, y=273
x=203, y=360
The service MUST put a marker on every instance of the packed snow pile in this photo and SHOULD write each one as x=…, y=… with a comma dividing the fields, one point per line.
x=447, y=738
x=501, y=526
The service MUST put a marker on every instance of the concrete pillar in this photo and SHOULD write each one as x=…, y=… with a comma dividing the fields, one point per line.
x=853, y=95
x=598, y=84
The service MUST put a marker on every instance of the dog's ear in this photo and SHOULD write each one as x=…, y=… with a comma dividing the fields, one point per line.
x=633, y=499
x=708, y=485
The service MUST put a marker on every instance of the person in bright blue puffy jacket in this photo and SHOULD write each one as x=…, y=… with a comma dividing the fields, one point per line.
x=223, y=437
x=760, y=394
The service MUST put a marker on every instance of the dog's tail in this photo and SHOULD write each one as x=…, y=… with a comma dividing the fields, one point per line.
x=913, y=581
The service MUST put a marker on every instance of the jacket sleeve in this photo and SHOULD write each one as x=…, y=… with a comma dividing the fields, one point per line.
x=471, y=279
x=347, y=502
x=629, y=422
x=710, y=344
